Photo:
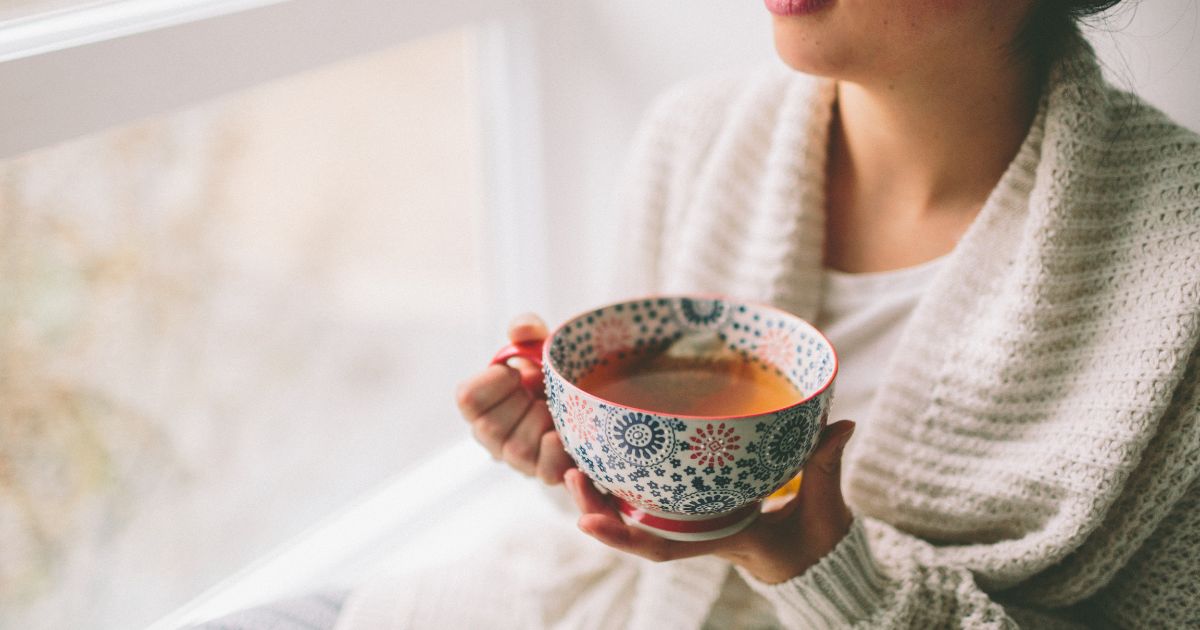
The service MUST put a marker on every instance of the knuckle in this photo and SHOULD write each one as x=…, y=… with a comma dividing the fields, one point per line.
x=547, y=474
x=519, y=452
x=553, y=461
x=464, y=397
x=551, y=443
x=829, y=466
x=471, y=399
x=487, y=432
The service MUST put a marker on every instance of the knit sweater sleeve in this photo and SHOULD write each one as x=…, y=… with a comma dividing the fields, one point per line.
x=851, y=587
x=878, y=578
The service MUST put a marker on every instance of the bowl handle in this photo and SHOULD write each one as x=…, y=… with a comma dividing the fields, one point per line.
x=528, y=350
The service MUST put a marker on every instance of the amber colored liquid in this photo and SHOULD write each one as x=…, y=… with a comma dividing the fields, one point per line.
x=700, y=386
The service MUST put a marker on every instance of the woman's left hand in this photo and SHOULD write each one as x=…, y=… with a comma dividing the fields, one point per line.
x=778, y=546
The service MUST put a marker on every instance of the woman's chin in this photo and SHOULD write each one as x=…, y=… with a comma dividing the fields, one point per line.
x=805, y=49
x=809, y=62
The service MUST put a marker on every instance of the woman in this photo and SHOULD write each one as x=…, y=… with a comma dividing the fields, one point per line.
x=1005, y=250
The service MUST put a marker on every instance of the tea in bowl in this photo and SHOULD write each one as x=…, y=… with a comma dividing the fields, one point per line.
x=689, y=410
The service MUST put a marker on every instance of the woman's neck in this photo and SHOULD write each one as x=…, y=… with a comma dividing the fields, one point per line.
x=922, y=143
x=912, y=160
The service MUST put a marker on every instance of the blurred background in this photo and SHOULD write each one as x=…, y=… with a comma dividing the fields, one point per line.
x=248, y=248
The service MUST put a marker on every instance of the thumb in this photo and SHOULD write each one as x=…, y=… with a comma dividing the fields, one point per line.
x=527, y=327
x=823, y=472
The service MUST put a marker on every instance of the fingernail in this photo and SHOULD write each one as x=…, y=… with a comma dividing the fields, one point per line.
x=526, y=319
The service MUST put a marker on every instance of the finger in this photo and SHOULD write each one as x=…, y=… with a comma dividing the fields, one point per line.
x=553, y=461
x=531, y=376
x=613, y=532
x=602, y=521
x=526, y=327
x=826, y=460
x=485, y=390
x=520, y=450
x=587, y=498
x=493, y=428
x=600, y=518
x=781, y=509
x=822, y=487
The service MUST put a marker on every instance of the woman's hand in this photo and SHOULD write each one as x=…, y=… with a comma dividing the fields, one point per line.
x=508, y=414
x=777, y=547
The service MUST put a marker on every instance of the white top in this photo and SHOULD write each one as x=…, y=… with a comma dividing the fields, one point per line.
x=863, y=315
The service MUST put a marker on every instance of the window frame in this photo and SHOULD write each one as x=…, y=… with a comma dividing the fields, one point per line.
x=80, y=70
x=72, y=72
x=75, y=71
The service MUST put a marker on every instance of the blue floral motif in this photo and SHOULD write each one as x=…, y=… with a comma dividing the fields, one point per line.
x=639, y=438
x=708, y=502
x=790, y=439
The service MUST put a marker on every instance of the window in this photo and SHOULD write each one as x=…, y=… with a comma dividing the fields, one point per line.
x=248, y=246
x=224, y=323
x=236, y=289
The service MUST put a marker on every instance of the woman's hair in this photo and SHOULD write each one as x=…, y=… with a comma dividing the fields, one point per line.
x=1052, y=24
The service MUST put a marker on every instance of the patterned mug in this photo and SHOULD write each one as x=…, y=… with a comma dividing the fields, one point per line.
x=685, y=477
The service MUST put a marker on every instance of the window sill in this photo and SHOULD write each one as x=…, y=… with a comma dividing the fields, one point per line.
x=425, y=516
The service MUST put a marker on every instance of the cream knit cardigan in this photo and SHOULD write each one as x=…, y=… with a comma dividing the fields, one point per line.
x=1034, y=452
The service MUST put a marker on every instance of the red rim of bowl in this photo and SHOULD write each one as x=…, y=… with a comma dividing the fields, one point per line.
x=693, y=296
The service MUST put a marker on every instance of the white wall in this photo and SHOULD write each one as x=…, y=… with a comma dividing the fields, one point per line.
x=1152, y=47
x=605, y=59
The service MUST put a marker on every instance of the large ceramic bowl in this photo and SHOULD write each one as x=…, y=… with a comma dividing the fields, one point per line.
x=687, y=477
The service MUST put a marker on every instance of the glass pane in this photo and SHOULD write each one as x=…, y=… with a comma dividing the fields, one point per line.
x=221, y=325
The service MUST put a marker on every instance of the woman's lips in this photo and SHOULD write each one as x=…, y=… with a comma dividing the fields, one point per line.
x=796, y=7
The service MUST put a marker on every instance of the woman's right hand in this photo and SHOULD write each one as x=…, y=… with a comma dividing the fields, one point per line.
x=508, y=413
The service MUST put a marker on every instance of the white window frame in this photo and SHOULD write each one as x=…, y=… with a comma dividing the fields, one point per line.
x=71, y=72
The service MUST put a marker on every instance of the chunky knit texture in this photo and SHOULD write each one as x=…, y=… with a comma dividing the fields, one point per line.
x=1033, y=454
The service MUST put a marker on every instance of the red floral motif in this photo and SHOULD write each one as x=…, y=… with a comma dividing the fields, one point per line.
x=611, y=335
x=714, y=446
x=579, y=418
x=776, y=348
